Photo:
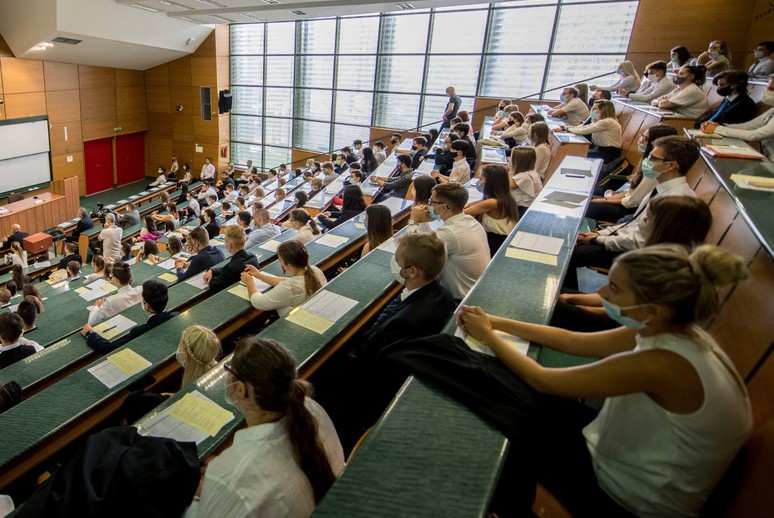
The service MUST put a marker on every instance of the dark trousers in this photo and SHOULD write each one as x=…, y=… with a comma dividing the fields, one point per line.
x=587, y=255
x=606, y=153
x=575, y=318
x=602, y=211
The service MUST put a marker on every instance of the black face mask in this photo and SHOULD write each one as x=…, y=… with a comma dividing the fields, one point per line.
x=646, y=74
x=725, y=91
x=393, y=141
x=414, y=148
x=511, y=123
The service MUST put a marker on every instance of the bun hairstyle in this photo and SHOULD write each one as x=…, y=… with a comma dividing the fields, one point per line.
x=684, y=281
x=122, y=272
x=270, y=369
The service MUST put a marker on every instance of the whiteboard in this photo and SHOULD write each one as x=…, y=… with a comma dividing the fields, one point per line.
x=19, y=173
x=24, y=138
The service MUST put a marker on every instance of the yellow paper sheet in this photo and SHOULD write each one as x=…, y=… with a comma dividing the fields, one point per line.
x=756, y=181
x=109, y=288
x=308, y=320
x=128, y=361
x=82, y=290
x=169, y=277
x=202, y=415
x=108, y=332
x=529, y=255
x=359, y=225
x=240, y=290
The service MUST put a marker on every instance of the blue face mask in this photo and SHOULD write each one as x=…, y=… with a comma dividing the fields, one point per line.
x=619, y=72
x=594, y=115
x=479, y=187
x=433, y=214
x=647, y=169
x=563, y=98
x=678, y=80
x=614, y=312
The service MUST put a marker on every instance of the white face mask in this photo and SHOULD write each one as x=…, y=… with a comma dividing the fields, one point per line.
x=641, y=148
x=395, y=269
x=768, y=97
x=714, y=55
x=758, y=54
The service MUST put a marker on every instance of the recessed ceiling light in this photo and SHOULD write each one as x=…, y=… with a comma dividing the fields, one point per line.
x=211, y=3
x=405, y=6
x=298, y=13
x=253, y=17
x=222, y=18
x=271, y=2
x=146, y=8
x=175, y=4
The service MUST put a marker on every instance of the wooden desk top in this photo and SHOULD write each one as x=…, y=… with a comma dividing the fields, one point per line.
x=29, y=203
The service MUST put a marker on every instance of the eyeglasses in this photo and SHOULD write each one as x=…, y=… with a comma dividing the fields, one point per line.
x=435, y=202
x=227, y=367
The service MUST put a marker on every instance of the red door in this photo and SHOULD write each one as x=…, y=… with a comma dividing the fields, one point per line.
x=99, y=165
x=130, y=158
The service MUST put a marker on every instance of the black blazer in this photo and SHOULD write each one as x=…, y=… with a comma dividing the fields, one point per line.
x=14, y=355
x=102, y=346
x=84, y=224
x=415, y=162
x=68, y=258
x=741, y=109
x=423, y=313
x=212, y=228
x=16, y=236
x=226, y=276
x=340, y=217
x=205, y=259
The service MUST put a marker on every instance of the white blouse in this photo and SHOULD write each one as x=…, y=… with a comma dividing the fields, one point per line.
x=287, y=294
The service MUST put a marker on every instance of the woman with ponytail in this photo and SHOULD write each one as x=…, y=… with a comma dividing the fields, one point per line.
x=289, y=455
x=307, y=228
x=676, y=410
x=304, y=280
x=198, y=352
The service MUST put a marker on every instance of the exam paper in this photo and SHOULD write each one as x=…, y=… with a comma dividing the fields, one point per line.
x=567, y=197
x=389, y=246
x=119, y=367
x=320, y=312
x=169, y=277
x=167, y=265
x=537, y=243
x=165, y=425
x=520, y=344
x=270, y=245
x=201, y=413
x=529, y=255
x=331, y=240
x=114, y=326
x=197, y=281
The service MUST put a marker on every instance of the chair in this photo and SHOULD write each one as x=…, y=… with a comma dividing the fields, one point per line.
x=14, y=196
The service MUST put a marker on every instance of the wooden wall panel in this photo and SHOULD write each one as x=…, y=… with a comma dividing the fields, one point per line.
x=96, y=77
x=159, y=125
x=222, y=40
x=63, y=106
x=63, y=169
x=158, y=151
x=180, y=71
x=22, y=75
x=98, y=111
x=182, y=127
x=131, y=109
x=2, y=111
x=204, y=72
x=126, y=77
x=157, y=75
x=157, y=96
x=60, y=76
x=182, y=96
x=206, y=129
x=25, y=105
x=97, y=128
x=74, y=142
x=223, y=67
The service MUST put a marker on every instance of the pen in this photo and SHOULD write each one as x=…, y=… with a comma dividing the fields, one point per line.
x=573, y=176
x=109, y=329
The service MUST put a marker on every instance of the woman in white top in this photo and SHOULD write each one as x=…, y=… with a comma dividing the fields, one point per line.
x=676, y=412
x=515, y=133
x=173, y=216
x=17, y=255
x=186, y=178
x=605, y=132
x=717, y=58
x=287, y=457
x=460, y=171
x=629, y=79
x=688, y=100
x=525, y=182
x=538, y=139
x=173, y=168
x=287, y=292
x=760, y=129
x=126, y=296
x=498, y=210
x=307, y=228
x=161, y=179
x=616, y=205
x=98, y=264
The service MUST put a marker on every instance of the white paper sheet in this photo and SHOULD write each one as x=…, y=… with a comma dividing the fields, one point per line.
x=270, y=245
x=165, y=425
x=111, y=375
x=389, y=246
x=93, y=294
x=537, y=243
x=167, y=265
x=331, y=240
x=520, y=344
x=114, y=326
x=321, y=311
x=197, y=281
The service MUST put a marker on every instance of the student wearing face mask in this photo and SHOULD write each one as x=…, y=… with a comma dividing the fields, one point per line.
x=717, y=58
x=341, y=164
x=737, y=106
x=760, y=129
x=460, y=171
x=398, y=185
x=764, y=65
x=679, y=57
x=287, y=292
x=161, y=179
x=219, y=278
x=572, y=107
x=515, y=133
x=655, y=85
x=628, y=78
x=418, y=152
x=306, y=227
x=498, y=210
x=668, y=162
x=688, y=99
x=605, y=132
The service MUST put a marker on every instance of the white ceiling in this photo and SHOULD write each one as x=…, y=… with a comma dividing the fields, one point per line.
x=140, y=34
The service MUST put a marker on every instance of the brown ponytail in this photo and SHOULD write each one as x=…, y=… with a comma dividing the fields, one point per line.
x=270, y=368
x=296, y=255
x=304, y=218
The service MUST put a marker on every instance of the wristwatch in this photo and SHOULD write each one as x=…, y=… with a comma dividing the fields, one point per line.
x=412, y=222
x=88, y=334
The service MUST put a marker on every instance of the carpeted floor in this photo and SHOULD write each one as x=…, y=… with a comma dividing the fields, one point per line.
x=113, y=195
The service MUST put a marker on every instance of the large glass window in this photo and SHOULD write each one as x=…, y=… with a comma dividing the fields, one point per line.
x=319, y=84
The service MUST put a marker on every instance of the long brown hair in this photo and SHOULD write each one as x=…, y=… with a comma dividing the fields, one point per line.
x=498, y=187
x=379, y=225
x=296, y=255
x=304, y=218
x=682, y=220
x=270, y=369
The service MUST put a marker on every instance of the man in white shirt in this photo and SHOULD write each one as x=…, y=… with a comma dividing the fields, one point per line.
x=193, y=204
x=764, y=65
x=571, y=108
x=669, y=161
x=465, y=239
x=111, y=238
x=208, y=172
x=656, y=84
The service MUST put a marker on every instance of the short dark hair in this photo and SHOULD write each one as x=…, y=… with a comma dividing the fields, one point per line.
x=421, y=140
x=397, y=135
x=327, y=165
x=245, y=217
x=460, y=145
x=357, y=141
x=452, y=194
x=768, y=44
x=405, y=160
x=11, y=327
x=683, y=150
x=155, y=295
x=28, y=311
x=737, y=78
x=657, y=65
x=74, y=267
x=573, y=91
x=122, y=272
x=346, y=149
x=379, y=143
x=71, y=247
x=699, y=73
x=464, y=127
x=211, y=214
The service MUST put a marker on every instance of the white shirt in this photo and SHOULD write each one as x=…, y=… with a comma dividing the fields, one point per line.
x=651, y=89
x=304, y=235
x=460, y=171
x=193, y=205
x=287, y=294
x=574, y=110
x=764, y=67
x=380, y=156
x=658, y=463
x=208, y=171
x=691, y=101
x=467, y=253
x=259, y=476
x=543, y=152
x=760, y=129
x=627, y=236
x=604, y=132
x=160, y=180
x=528, y=186
x=111, y=242
x=126, y=297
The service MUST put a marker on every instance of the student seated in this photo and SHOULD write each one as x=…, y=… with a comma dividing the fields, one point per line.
x=175, y=246
x=605, y=132
x=287, y=457
x=737, y=107
x=29, y=309
x=17, y=255
x=71, y=254
x=764, y=65
x=126, y=253
x=497, y=210
x=211, y=224
x=5, y=296
x=287, y=292
x=160, y=179
x=31, y=290
x=154, y=301
x=73, y=271
x=398, y=185
x=688, y=99
x=717, y=58
x=378, y=223
x=354, y=204
x=126, y=296
x=299, y=220
x=317, y=186
x=203, y=255
x=760, y=129
x=678, y=58
x=538, y=139
x=11, y=328
x=572, y=108
x=524, y=181
x=98, y=264
x=149, y=252
x=467, y=251
x=676, y=411
x=198, y=351
x=265, y=229
x=654, y=86
x=219, y=278
x=173, y=216
x=460, y=170
x=628, y=78
x=150, y=231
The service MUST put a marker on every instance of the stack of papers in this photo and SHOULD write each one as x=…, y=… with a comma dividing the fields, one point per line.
x=114, y=326
x=390, y=246
x=695, y=133
x=192, y=419
x=756, y=183
x=119, y=367
x=535, y=248
x=732, y=152
x=331, y=240
x=567, y=200
x=197, y=281
x=320, y=312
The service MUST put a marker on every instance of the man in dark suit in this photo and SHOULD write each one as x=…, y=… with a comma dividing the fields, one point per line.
x=15, y=235
x=84, y=224
x=737, y=107
x=419, y=147
x=11, y=351
x=212, y=227
x=206, y=255
x=154, y=301
x=423, y=307
x=71, y=254
x=221, y=278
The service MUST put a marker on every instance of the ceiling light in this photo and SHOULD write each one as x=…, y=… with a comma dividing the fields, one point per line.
x=43, y=45
x=298, y=13
x=271, y=2
x=222, y=18
x=175, y=4
x=210, y=3
x=146, y=8
x=253, y=17
x=405, y=6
